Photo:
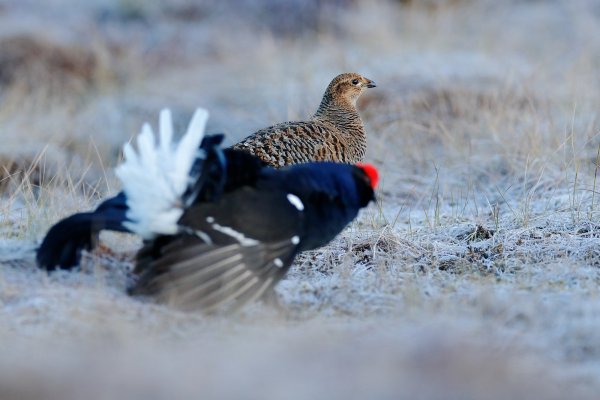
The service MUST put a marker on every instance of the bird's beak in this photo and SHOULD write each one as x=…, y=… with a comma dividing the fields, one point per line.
x=371, y=84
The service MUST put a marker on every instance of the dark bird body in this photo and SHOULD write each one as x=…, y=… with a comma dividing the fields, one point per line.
x=239, y=234
x=335, y=133
x=234, y=249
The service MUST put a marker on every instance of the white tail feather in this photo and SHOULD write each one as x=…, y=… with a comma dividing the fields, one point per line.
x=156, y=176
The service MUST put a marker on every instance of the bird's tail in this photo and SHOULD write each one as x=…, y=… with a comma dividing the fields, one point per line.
x=159, y=181
x=157, y=177
x=64, y=241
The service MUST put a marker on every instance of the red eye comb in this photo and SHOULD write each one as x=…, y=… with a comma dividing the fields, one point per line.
x=371, y=172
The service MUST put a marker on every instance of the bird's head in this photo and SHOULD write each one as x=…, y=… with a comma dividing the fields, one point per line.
x=347, y=88
x=367, y=178
x=370, y=172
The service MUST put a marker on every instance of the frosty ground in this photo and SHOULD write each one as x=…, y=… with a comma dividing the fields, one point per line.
x=474, y=277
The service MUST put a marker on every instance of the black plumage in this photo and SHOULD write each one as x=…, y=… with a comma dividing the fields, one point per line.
x=62, y=245
x=236, y=248
x=64, y=242
x=242, y=225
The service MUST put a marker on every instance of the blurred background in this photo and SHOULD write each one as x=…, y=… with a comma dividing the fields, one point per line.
x=475, y=277
x=78, y=79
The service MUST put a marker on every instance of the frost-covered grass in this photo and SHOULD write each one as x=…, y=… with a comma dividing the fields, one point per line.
x=474, y=277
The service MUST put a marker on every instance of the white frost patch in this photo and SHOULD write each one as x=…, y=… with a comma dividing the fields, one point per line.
x=295, y=240
x=296, y=202
x=239, y=236
x=278, y=262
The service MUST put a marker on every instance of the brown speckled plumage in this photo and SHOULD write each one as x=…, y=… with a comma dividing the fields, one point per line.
x=334, y=133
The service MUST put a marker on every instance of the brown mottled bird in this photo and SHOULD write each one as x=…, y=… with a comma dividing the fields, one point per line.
x=334, y=133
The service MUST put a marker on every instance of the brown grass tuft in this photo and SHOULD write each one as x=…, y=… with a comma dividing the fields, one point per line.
x=34, y=62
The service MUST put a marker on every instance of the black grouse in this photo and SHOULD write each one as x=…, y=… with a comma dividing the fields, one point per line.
x=221, y=228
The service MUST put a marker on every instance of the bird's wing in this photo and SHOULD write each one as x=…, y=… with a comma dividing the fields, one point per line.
x=193, y=275
x=294, y=142
x=231, y=252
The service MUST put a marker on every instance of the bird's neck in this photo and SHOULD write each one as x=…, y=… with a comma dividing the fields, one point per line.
x=344, y=117
x=342, y=114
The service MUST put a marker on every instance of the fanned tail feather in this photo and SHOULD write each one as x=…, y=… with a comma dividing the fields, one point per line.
x=156, y=176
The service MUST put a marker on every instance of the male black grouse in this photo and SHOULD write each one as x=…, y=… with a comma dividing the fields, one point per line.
x=220, y=227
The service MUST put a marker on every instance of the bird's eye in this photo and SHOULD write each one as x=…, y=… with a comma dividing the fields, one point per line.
x=355, y=81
